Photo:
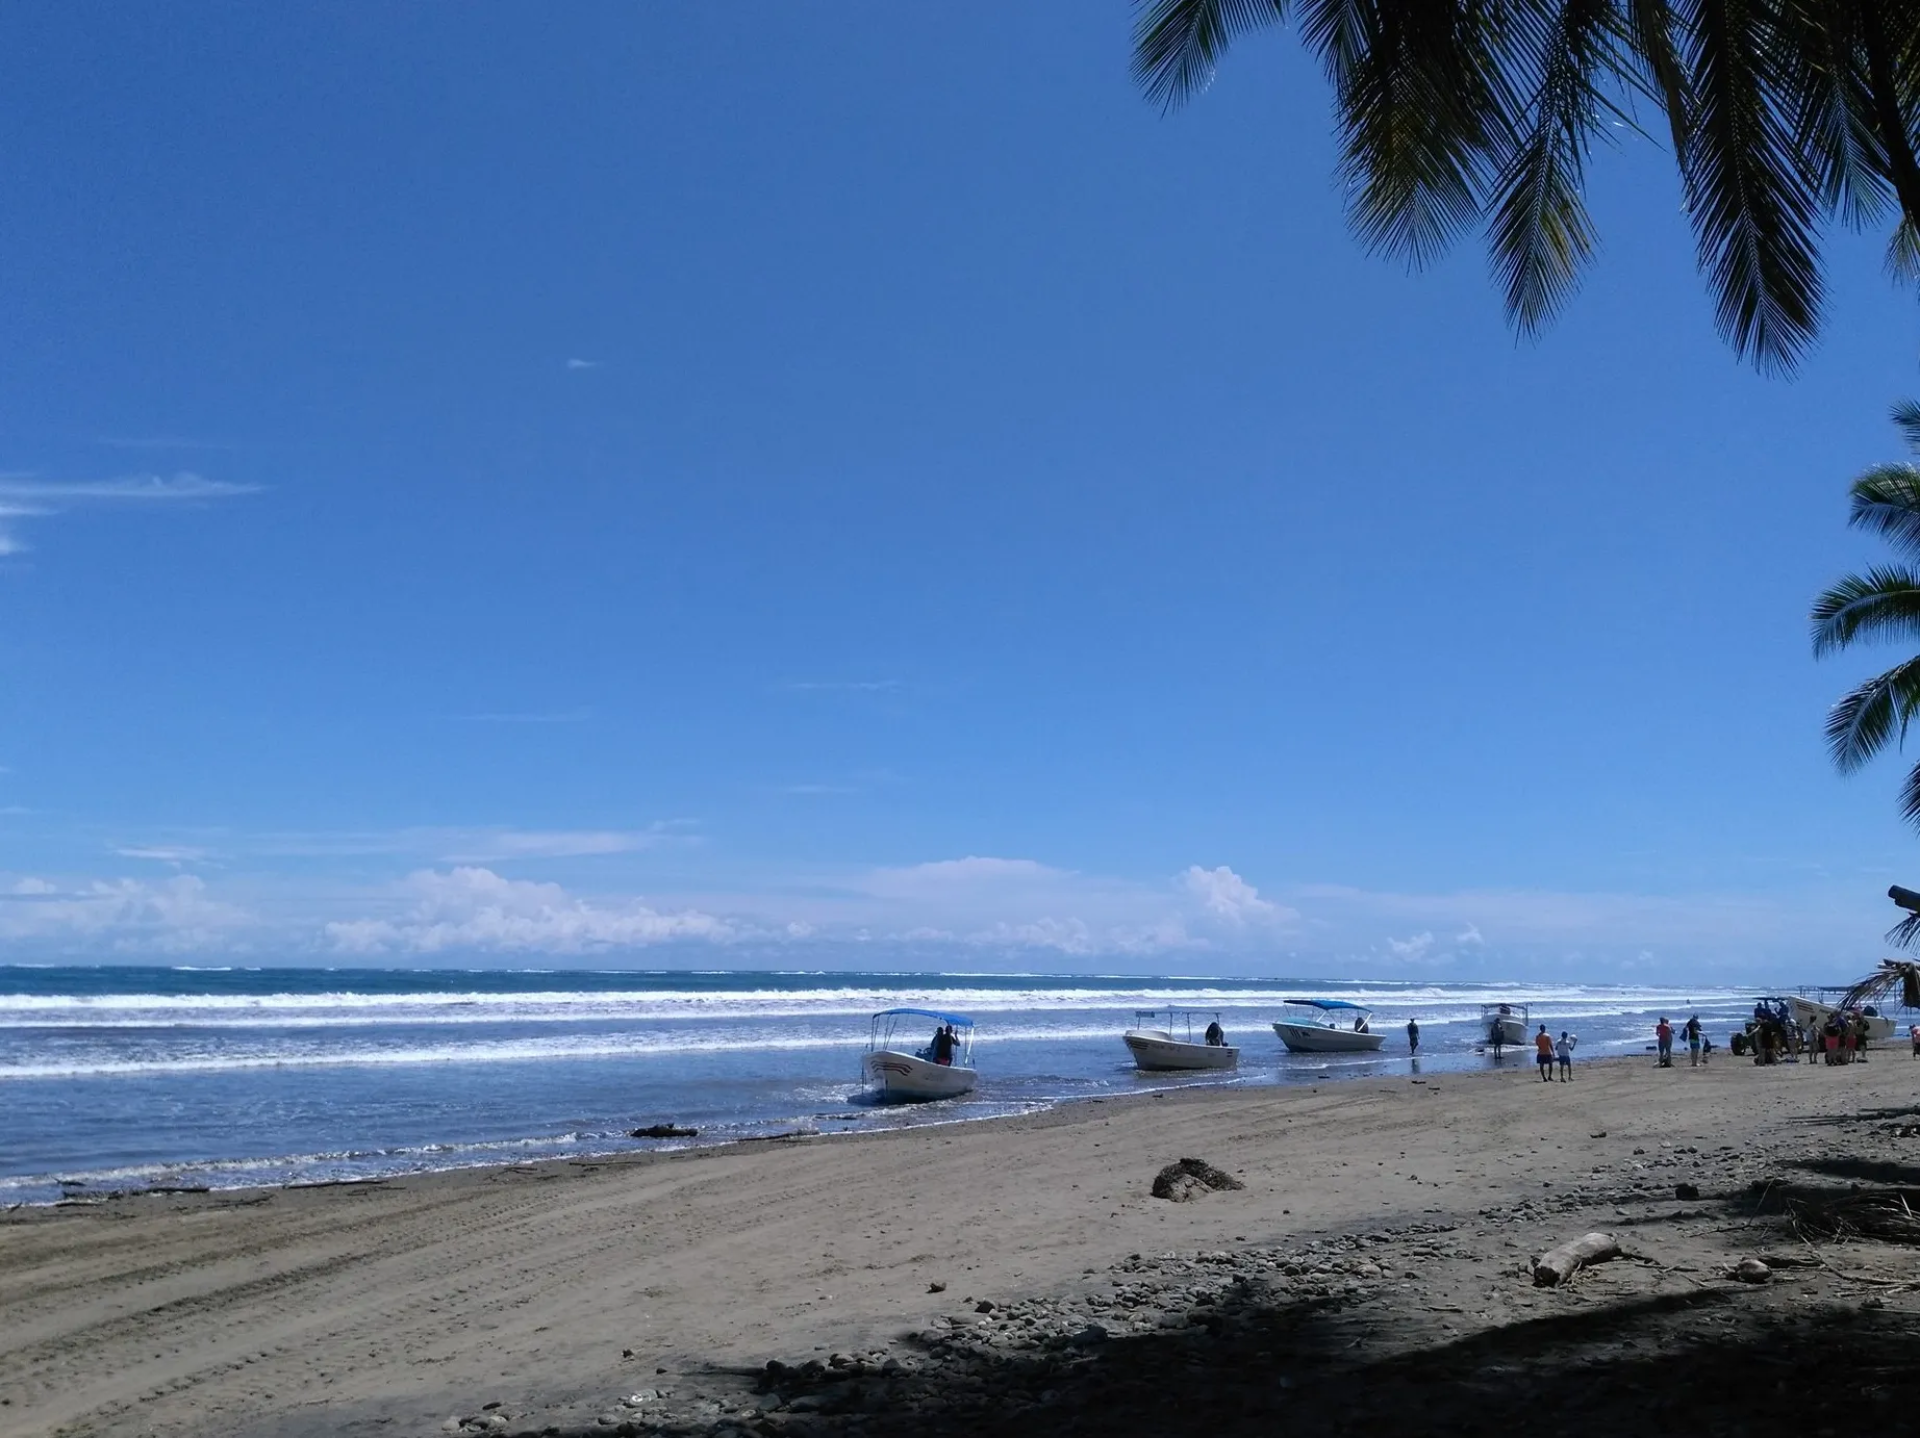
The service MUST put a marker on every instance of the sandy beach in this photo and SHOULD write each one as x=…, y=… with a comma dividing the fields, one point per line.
x=985, y=1275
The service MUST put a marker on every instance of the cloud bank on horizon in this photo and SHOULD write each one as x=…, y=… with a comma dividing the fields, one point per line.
x=974, y=911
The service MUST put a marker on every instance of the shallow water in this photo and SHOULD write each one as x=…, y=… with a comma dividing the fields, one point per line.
x=129, y=1077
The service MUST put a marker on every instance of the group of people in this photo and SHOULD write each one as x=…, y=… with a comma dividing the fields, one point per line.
x=1773, y=1036
x=945, y=1043
x=1549, y=1052
x=1699, y=1046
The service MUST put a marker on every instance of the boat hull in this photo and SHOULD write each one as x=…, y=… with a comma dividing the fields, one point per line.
x=1512, y=1033
x=1810, y=1011
x=1315, y=1039
x=903, y=1078
x=1161, y=1053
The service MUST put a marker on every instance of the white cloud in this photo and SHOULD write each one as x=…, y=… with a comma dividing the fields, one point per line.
x=139, y=488
x=176, y=916
x=1227, y=896
x=579, y=364
x=163, y=853
x=475, y=908
x=1414, y=947
x=473, y=846
x=1470, y=936
x=23, y=496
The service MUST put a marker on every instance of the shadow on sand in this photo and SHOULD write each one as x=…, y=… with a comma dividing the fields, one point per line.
x=1707, y=1360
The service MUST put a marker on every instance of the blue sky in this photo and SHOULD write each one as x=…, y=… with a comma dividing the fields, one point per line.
x=855, y=486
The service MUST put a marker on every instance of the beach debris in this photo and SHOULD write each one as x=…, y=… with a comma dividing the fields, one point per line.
x=1557, y=1265
x=936, y=1287
x=1751, y=1270
x=663, y=1130
x=1685, y=1190
x=1191, y=1178
x=985, y=1305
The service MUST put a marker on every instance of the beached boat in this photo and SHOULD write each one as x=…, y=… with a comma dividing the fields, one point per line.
x=943, y=1068
x=1158, y=1049
x=1807, y=1010
x=1503, y=1025
x=1328, y=1026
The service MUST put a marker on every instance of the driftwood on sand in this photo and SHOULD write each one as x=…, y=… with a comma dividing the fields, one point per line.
x=1557, y=1265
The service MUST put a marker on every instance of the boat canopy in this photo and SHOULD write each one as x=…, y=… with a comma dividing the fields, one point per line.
x=1330, y=1004
x=957, y=1020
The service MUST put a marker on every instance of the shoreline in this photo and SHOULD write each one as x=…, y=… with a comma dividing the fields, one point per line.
x=399, y=1305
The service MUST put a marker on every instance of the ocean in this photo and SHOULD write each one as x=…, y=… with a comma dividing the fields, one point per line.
x=133, y=1077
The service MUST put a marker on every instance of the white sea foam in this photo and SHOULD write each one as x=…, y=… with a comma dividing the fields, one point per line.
x=295, y=1010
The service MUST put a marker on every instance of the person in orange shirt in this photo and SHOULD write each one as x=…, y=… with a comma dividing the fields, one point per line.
x=1543, y=1053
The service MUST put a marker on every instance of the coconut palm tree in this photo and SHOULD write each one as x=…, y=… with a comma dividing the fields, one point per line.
x=1882, y=603
x=1782, y=116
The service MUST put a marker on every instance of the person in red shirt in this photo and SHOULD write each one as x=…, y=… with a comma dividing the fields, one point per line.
x=1663, y=1031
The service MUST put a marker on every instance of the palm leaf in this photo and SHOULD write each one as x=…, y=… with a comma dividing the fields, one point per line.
x=1880, y=604
x=1894, y=976
x=1873, y=715
x=1886, y=502
x=1658, y=72
x=1833, y=120
x=1423, y=101
x=1752, y=198
x=1541, y=235
x=1177, y=44
x=1906, y=417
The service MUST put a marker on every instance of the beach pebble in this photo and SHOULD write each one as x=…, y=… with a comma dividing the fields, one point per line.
x=1752, y=1270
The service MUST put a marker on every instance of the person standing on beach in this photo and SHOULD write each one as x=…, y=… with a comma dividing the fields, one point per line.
x=1563, y=1051
x=1693, y=1042
x=1413, y=1037
x=1663, y=1033
x=1543, y=1054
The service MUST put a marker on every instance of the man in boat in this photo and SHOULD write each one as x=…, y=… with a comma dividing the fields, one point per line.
x=1216, y=1036
x=943, y=1044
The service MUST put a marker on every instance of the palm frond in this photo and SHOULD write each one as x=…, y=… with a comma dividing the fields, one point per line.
x=1903, y=252
x=1752, y=198
x=1872, y=715
x=1423, y=102
x=1894, y=976
x=1541, y=236
x=1833, y=110
x=1886, y=501
x=1906, y=418
x=1177, y=44
x=1659, y=72
x=1883, y=603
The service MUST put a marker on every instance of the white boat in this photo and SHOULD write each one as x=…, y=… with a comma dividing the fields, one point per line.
x=1157, y=1049
x=1328, y=1026
x=1503, y=1025
x=1806, y=1010
x=943, y=1068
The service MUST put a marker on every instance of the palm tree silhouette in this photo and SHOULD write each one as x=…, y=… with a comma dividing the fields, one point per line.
x=1882, y=603
x=1783, y=115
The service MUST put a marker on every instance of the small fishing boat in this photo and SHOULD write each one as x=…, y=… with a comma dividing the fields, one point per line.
x=1328, y=1026
x=943, y=1068
x=1157, y=1049
x=1809, y=1009
x=1503, y=1025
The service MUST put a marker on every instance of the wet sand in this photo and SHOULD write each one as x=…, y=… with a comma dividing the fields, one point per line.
x=1382, y=1237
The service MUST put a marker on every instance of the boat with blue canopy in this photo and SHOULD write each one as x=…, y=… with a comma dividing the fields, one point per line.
x=1328, y=1026
x=903, y=1072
